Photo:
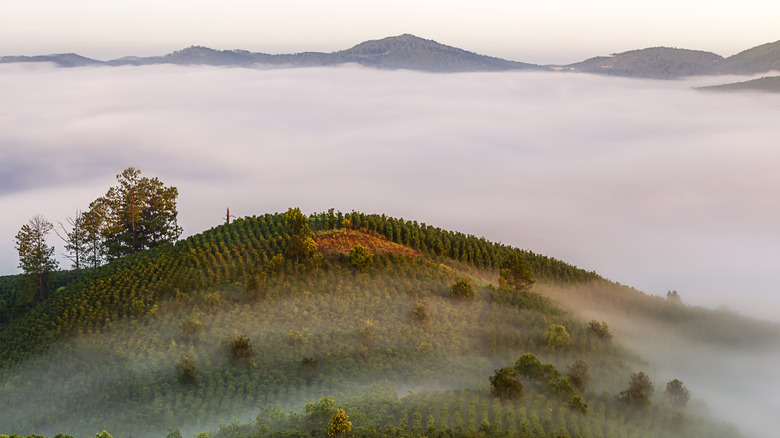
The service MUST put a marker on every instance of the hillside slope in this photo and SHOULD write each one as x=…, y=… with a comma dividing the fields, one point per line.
x=225, y=323
x=652, y=63
x=760, y=59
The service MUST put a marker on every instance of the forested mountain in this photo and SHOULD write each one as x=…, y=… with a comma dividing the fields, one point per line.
x=410, y=329
x=653, y=63
x=61, y=59
x=399, y=52
x=414, y=53
x=757, y=60
x=766, y=84
x=410, y=52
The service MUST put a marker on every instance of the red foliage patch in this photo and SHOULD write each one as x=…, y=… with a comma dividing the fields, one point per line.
x=340, y=242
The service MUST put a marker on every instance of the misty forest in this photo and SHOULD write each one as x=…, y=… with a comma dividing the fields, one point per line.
x=289, y=321
x=329, y=324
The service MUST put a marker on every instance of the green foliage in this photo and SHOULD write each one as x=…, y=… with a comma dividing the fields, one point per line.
x=504, y=384
x=677, y=394
x=515, y=273
x=301, y=244
x=36, y=257
x=103, y=434
x=576, y=404
x=139, y=213
x=339, y=425
x=319, y=414
x=420, y=312
x=190, y=329
x=529, y=366
x=640, y=390
x=360, y=258
x=556, y=337
x=239, y=348
x=463, y=289
x=366, y=337
x=579, y=375
x=107, y=322
x=77, y=241
x=295, y=337
x=310, y=368
x=600, y=330
x=561, y=388
x=187, y=370
x=255, y=287
x=525, y=300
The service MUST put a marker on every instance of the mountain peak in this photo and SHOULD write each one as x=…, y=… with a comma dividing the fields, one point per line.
x=652, y=62
x=408, y=51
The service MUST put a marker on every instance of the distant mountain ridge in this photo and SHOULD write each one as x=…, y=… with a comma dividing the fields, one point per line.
x=398, y=52
x=671, y=63
x=763, y=85
x=414, y=53
x=654, y=63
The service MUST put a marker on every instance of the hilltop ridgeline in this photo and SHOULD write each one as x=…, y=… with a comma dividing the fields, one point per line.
x=131, y=286
x=268, y=312
x=414, y=53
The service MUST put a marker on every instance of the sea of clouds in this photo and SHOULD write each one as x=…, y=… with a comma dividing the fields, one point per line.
x=650, y=183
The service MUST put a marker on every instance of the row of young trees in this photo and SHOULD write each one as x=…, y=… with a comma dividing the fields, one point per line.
x=138, y=213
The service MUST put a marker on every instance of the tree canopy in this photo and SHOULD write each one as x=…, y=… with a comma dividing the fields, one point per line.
x=556, y=336
x=504, y=384
x=36, y=257
x=677, y=394
x=640, y=390
x=139, y=213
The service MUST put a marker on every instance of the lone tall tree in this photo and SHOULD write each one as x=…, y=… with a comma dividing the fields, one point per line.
x=139, y=213
x=677, y=394
x=301, y=243
x=76, y=240
x=505, y=385
x=639, y=391
x=515, y=273
x=36, y=257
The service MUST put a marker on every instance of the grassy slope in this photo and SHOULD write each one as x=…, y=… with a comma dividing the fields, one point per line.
x=101, y=353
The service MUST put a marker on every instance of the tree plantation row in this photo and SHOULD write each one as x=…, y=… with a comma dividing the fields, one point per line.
x=258, y=326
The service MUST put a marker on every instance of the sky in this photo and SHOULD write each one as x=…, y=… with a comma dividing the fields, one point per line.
x=550, y=32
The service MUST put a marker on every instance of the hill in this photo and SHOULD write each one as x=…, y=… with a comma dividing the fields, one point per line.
x=414, y=53
x=652, y=63
x=760, y=59
x=60, y=59
x=765, y=85
x=411, y=52
x=399, y=52
x=228, y=324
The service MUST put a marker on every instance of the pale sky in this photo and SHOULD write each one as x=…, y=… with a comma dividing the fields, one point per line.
x=545, y=32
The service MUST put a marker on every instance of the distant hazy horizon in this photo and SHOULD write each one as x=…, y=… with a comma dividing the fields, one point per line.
x=560, y=32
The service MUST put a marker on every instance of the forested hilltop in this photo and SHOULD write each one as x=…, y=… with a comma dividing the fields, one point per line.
x=342, y=324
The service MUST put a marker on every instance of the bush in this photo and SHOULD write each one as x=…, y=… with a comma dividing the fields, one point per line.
x=360, y=258
x=600, y=329
x=504, y=384
x=463, y=289
x=188, y=372
x=239, y=347
x=556, y=336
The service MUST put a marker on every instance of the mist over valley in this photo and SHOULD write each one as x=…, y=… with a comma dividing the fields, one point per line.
x=645, y=183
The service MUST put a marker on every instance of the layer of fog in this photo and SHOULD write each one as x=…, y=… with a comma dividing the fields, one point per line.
x=646, y=182
x=735, y=381
x=103, y=366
